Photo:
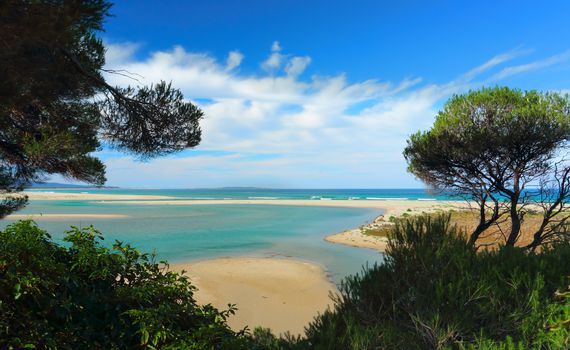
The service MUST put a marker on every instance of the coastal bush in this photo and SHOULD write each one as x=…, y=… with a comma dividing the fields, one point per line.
x=83, y=295
x=435, y=291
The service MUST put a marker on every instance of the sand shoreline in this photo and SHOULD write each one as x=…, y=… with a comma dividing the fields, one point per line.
x=58, y=196
x=45, y=217
x=390, y=207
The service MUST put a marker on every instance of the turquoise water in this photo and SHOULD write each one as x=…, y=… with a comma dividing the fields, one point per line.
x=186, y=233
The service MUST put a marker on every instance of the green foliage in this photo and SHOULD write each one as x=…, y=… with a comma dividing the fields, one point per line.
x=489, y=145
x=435, y=291
x=10, y=204
x=87, y=296
x=563, y=320
x=56, y=105
x=479, y=125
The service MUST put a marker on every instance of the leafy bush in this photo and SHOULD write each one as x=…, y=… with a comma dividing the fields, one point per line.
x=86, y=295
x=434, y=291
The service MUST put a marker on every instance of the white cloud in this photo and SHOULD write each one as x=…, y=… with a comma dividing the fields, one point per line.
x=234, y=60
x=275, y=59
x=118, y=54
x=493, y=62
x=279, y=129
x=527, y=67
x=275, y=47
x=297, y=65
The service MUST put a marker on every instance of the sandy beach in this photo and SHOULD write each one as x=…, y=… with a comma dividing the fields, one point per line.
x=390, y=207
x=45, y=217
x=58, y=196
x=355, y=238
x=284, y=295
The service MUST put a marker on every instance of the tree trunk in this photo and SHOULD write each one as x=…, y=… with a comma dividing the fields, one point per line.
x=515, y=218
x=478, y=231
x=515, y=230
x=484, y=224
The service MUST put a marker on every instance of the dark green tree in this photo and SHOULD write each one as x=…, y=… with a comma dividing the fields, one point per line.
x=56, y=107
x=504, y=149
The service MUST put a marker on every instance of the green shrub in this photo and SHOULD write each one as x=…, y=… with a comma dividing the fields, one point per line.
x=434, y=291
x=87, y=296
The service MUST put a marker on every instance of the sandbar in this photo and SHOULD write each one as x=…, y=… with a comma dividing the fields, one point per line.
x=44, y=217
x=90, y=196
x=391, y=207
x=356, y=238
x=280, y=294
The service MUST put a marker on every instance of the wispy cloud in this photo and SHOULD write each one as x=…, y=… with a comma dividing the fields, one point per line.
x=495, y=61
x=532, y=66
x=282, y=128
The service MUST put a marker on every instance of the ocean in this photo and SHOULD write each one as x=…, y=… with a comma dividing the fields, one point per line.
x=180, y=233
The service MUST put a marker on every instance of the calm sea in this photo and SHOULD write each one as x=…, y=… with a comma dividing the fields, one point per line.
x=181, y=233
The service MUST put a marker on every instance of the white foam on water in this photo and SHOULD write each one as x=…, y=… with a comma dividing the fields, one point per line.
x=387, y=198
x=262, y=197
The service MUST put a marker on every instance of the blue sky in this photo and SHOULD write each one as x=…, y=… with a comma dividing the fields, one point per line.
x=322, y=94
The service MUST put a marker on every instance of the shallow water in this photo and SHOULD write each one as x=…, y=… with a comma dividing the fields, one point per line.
x=181, y=233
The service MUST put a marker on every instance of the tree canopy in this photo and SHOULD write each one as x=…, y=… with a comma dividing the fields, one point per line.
x=503, y=148
x=56, y=107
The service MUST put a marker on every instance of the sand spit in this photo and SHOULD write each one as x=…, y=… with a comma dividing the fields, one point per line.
x=46, y=196
x=356, y=238
x=46, y=217
x=391, y=207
